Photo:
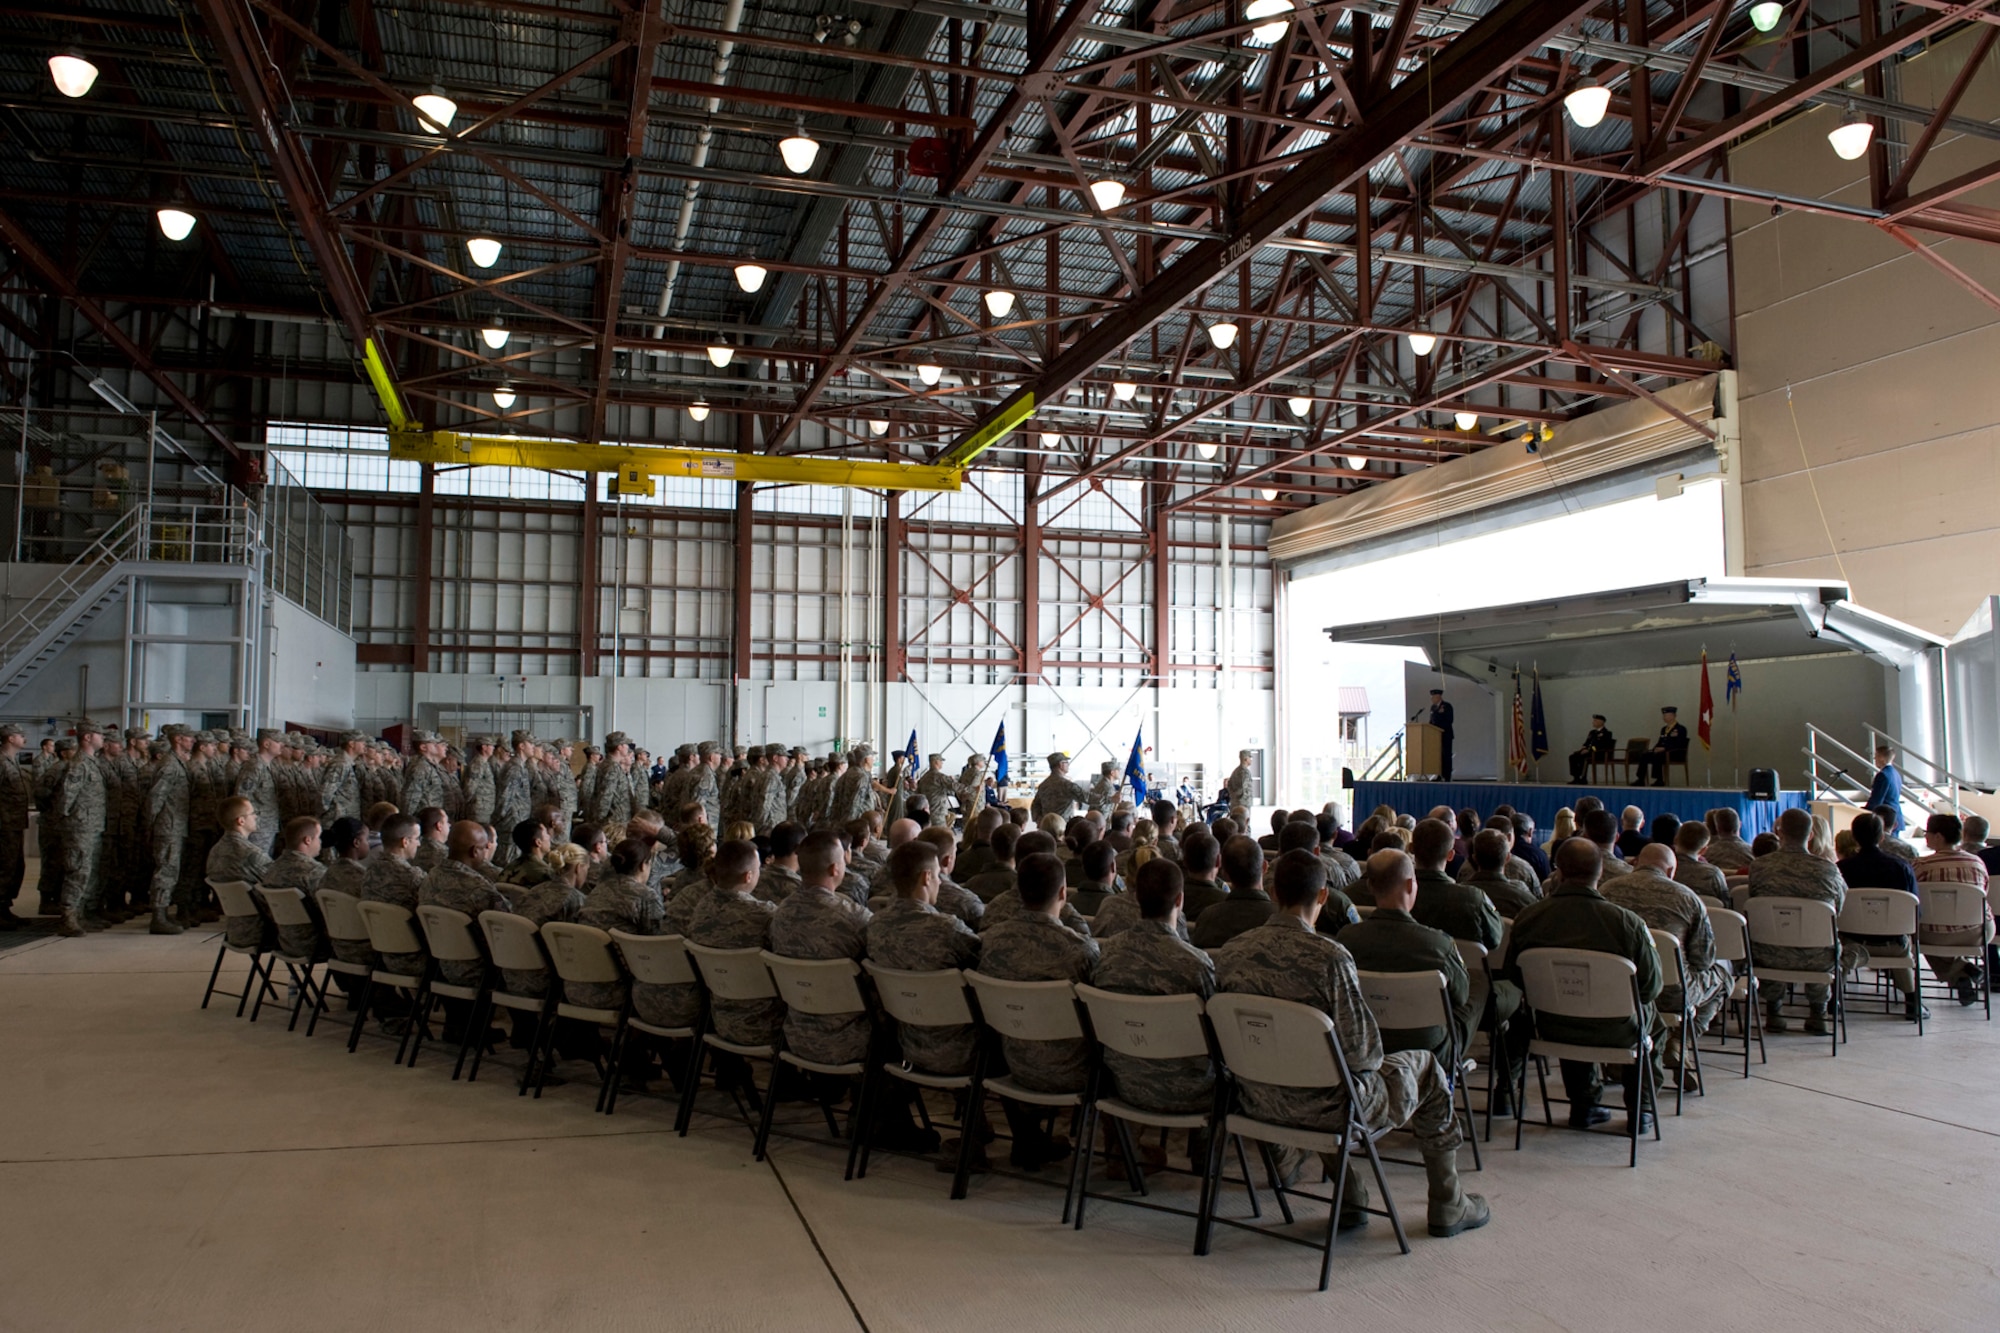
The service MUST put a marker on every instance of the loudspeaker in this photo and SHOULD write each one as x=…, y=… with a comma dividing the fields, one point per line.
x=1763, y=784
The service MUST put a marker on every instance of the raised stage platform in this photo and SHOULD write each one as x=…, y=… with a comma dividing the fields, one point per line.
x=1543, y=799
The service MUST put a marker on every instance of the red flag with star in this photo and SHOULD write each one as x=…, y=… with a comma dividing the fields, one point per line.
x=1707, y=721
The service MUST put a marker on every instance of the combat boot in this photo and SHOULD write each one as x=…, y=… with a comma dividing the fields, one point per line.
x=70, y=928
x=1452, y=1210
x=1354, y=1200
x=164, y=923
x=1774, y=1020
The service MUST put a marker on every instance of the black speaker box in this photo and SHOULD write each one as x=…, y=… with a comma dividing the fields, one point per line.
x=1763, y=784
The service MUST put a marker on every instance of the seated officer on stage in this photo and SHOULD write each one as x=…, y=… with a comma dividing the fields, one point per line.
x=1672, y=744
x=1596, y=748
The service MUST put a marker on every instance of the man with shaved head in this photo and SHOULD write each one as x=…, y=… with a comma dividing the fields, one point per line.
x=1663, y=903
x=1793, y=872
x=459, y=883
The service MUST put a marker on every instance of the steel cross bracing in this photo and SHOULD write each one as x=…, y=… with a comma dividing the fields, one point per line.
x=1382, y=168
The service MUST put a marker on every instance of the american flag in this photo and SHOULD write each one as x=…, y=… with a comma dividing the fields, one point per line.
x=1517, y=744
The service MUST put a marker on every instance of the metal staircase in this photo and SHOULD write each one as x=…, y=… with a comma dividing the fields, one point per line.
x=1840, y=774
x=59, y=614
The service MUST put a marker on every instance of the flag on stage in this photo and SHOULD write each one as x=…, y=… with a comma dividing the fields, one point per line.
x=1135, y=769
x=1517, y=743
x=1734, y=685
x=1707, y=717
x=999, y=755
x=1538, y=722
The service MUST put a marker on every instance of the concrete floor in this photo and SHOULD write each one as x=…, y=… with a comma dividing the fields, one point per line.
x=169, y=1168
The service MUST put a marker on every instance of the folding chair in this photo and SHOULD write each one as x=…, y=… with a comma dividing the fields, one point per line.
x=583, y=954
x=1739, y=891
x=391, y=929
x=514, y=943
x=1732, y=946
x=342, y=915
x=1879, y=914
x=654, y=960
x=726, y=974
x=932, y=999
x=234, y=895
x=1422, y=1000
x=830, y=988
x=1673, y=972
x=1159, y=1027
x=452, y=940
x=1801, y=923
x=1479, y=971
x=1035, y=1011
x=1363, y=910
x=1959, y=907
x=1288, y=1045
x=1585, y=983
x=287, y=907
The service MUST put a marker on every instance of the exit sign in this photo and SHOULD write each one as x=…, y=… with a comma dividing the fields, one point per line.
x=822, y=711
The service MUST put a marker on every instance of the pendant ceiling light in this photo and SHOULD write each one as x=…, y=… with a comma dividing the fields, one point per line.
x=1299, y=406
x=999, y=302
x=799, y=150
x=73, y=74
x=1764, y=15
x=1124, y=390
x=503, y=398
x=750, y=277
x=1207, y=448
x=1850, y=138
x=698, y=409
x=175, y=222
x=929, y=373
x=485, y=251
x=719, y=354
x=1108, y=193
x=1423, y=343
x=1587, y=103
x=1465, y=420
x=495, y=334
x=435, y=109
x=1223, y=335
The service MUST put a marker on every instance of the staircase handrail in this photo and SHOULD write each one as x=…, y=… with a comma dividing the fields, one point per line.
x=79, y=574
x=1393, y=750
x=1877, y=736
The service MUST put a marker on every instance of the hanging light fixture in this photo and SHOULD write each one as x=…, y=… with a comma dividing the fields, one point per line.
x=1124, y=390
x=485, y=251
x=698, y=409
x=1357, y=462
x=719, y=354
x=1850, y=138
x=503, y=398
x=1268, y=494
x=435, y=110
x=1764, y=15
x=877, y=426
x=175, y=222
x=1465, y=420
x=1207, y=448
x=999, y=301
x=1051, y=438
x=1108, y=193
x=750, y=277
x=1587, y=103
x=1423, y=343
x=495, y=334
x=1223, y=335
x=73, y=74
x=929, y=373
x=800, y=150
x=1299, y=406
x=1267, y=33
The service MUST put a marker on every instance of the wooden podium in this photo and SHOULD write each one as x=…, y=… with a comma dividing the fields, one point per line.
x=1423, y=750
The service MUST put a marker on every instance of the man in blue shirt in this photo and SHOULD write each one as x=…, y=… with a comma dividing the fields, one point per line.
x=1887, y=789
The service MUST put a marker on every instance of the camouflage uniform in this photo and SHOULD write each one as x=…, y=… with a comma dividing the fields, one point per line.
x=567, y=796
x=1729, y=854
x=351, y=878
x=235, y=857
x=1059, y=795
x=390, y=880
x=680, y=785
x=462, y=888
x=776, y=884
x=257, y=783
x=1237, y=787
x=431, y=853
x=971, y=790
x=476, y=785
x=1033, y=947
x=291, y=870
x=1509, y=899
x=706, y=789
x=529, y=870
x=1664, y=904
x=80, y=806
x=1342, y=872
x=619, y=902
x=167, y=827
x=17, y=798
x=340, y=793
x=1706, y=880
x=1799, y=874
x=1007, y=906
x=738, y=921
x=777, y=804
x=46, y=777
x=1148, y=958
x=815, y=924
x=551, y=900
x=1103, y=796
x=515, y=790
x=423, y=786
x=913, y=936
x=1287, y=960
x=853, y=796
x=937, y=788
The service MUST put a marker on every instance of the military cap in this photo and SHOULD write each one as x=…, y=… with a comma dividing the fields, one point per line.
x=349, y=737
x=836, y=758
x=426, y=738
x=683, y=750
x=1108, y=767
x=271, y=734
x=1058, y=758
x=1671, y=709
x=174, y=731
x=861, y=752
x=800, y=752
x=523, y=737
x=88, y=728
x=64, y=744
x=616, y=739
x=9, y=729
x=138, y=734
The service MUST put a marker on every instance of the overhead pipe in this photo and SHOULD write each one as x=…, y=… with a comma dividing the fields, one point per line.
x=732, y=19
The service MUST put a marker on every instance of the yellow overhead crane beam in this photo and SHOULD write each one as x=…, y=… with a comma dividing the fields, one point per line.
x=638, y=466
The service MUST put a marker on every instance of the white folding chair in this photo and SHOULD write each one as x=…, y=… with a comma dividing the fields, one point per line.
x=287, y=909
x=1585, y=984
x=1732, y=946
x=1801, y=923
x=1885, y=914
x=234, y=895
x=1363, y=910
x=654, y=960
x=1159, y=1027
x=1959, y=907
x=391, y=930
x=451, y=939
x=514, y=943
x=726, y=974
x=829, y=988
x=1283, y=1044
x=342, y=917
x=1406, y=1000
x=1673, y=973
x=1479, y=974
x=1033, y=1011
x=932, y=999
x=583, y=954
